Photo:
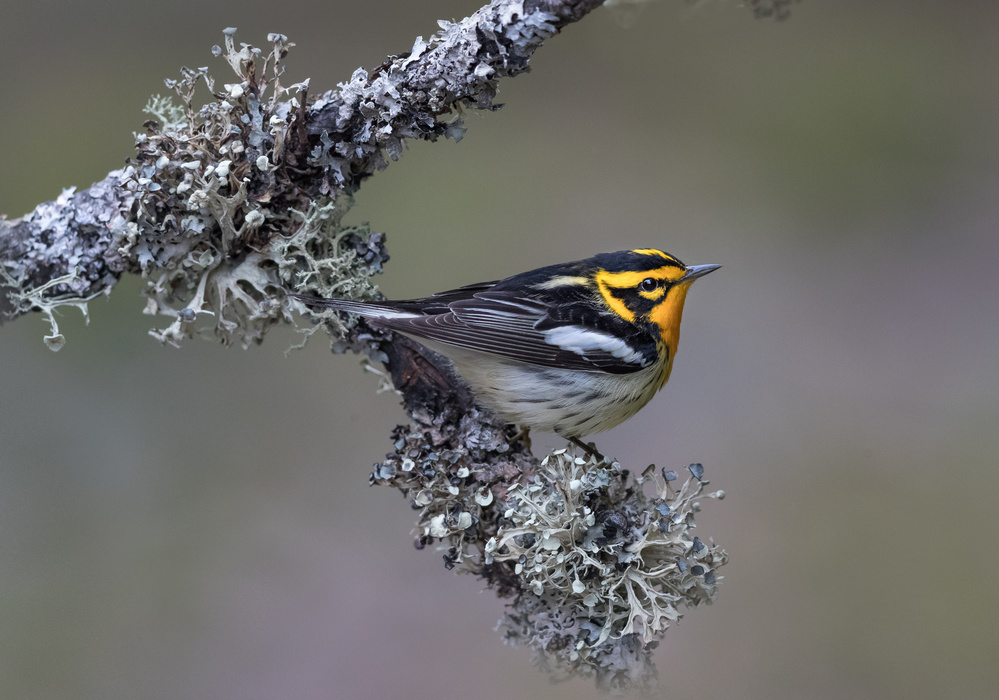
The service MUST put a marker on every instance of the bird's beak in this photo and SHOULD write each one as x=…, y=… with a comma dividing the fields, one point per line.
x=695, y=271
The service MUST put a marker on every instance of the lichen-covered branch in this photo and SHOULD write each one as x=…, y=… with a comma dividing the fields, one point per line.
x=64, y=253
x=211, y=186
x=230, y=204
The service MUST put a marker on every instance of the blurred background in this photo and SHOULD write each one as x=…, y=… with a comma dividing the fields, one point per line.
x=197, y=523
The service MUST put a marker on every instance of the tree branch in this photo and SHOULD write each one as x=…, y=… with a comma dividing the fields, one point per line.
x=229, y=205
x=329, y=146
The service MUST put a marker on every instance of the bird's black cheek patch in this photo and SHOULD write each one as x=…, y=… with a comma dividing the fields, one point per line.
x=635, y=302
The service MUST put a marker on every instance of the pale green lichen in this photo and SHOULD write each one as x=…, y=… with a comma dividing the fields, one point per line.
x=37, y=300
x=242, y=237
x=169, y=115
x=445, y=481
x=600, y=563
x=608, y=562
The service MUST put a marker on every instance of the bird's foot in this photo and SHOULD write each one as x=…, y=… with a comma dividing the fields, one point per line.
x=524, y=436
x=589, y=449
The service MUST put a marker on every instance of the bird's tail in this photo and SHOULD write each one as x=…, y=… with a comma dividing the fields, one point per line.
x=361, y=308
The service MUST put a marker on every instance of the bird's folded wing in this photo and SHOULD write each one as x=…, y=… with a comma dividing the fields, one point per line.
x=505, y=324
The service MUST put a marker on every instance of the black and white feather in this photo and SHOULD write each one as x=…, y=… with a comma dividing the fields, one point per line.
x=510, y=325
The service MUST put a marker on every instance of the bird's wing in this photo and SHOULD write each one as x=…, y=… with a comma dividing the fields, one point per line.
x=519, y=327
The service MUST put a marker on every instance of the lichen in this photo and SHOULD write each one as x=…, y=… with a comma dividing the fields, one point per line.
x=449, y=471
x=245, y=234
x=213, y=185
x=599, y=563
x=609, y=562
x=39, y=299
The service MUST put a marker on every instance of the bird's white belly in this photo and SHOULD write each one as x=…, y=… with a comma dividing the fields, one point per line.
x=568, y=402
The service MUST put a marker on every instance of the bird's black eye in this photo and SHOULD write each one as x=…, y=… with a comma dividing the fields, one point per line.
x=648, y=284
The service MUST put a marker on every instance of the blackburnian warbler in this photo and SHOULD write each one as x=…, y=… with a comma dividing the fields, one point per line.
x=574, y=348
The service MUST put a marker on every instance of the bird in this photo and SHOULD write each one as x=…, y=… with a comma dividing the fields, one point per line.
x=573, y=348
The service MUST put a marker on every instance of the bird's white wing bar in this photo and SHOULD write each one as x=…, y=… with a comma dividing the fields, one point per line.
x=584, y=340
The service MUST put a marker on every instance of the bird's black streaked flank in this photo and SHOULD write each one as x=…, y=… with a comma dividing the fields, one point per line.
x=574, y=348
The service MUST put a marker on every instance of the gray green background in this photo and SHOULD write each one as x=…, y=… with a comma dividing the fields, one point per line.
x=197, y=523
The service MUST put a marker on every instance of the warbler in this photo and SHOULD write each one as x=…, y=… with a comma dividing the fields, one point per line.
x=574, y=348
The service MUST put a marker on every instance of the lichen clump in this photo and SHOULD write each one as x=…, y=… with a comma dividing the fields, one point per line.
x=246, y=233
x=609, y=562
x=598, y=562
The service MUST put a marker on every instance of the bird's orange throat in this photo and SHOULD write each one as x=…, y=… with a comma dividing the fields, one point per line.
x=667, y=316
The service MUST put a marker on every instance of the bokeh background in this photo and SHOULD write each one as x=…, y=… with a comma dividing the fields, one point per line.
x=197, y=523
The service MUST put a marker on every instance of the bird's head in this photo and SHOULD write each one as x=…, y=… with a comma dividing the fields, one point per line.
x=647, y=285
